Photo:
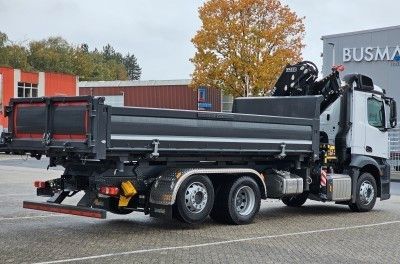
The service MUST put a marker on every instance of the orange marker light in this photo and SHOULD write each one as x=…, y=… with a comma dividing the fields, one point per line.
x=39, y=184
x=109, y=190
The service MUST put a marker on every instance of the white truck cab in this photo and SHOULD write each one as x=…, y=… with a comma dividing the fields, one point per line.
x=357, y=124
x=367, y=111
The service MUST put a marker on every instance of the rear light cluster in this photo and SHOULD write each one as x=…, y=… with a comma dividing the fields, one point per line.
x=39, y=184
x=109, y=190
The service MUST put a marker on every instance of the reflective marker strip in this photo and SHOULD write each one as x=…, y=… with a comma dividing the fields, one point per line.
x=323, y=178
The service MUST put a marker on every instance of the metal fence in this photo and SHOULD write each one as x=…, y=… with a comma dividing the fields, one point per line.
x=394, y=148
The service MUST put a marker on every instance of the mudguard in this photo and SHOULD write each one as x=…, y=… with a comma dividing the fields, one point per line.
x=360, y=161
x=164, y=190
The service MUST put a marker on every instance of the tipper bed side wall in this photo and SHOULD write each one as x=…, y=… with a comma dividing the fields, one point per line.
x=86, y=126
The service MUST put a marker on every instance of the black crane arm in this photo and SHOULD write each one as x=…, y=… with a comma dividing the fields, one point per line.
x=301, y=79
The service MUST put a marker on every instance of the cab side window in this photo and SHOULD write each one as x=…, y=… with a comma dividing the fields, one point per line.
x=376, y=113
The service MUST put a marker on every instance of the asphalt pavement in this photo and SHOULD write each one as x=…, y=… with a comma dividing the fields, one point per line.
x=315, y=233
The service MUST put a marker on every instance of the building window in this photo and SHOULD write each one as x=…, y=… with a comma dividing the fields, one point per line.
x=227, y=103
x=27, y=90
x=201, y=94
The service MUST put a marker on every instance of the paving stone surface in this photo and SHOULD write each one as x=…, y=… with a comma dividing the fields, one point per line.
x=315, y=233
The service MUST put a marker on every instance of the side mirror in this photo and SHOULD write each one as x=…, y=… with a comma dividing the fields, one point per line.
x=393, y=114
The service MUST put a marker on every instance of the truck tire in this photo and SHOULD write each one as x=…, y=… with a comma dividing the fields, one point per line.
x=194, y=199
x=237, y=202
x=295, y=200
x=366, y=193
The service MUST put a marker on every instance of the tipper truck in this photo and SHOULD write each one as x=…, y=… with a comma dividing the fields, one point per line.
x=325, y=140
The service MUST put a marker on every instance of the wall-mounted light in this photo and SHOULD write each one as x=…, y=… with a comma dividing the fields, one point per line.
x=333, y=52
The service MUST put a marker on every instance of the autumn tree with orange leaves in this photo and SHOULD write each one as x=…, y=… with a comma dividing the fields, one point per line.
x=243, y=45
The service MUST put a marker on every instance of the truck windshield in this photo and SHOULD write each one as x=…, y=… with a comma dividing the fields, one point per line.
x=376, y=112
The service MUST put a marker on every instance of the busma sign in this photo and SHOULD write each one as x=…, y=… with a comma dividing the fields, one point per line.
x=371, y=54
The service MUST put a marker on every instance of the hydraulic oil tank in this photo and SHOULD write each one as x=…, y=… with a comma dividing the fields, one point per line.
x=281, y=183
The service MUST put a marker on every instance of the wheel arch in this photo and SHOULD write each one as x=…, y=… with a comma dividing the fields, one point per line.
x=369, y=165
x=166, y=186
x=375, y=172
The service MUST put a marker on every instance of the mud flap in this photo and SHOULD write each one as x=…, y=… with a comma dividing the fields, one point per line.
x=161, y=211
x=385, y=182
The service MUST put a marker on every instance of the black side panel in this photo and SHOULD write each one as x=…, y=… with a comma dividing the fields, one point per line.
x=293, y=106
x=31, y=120
x=256, y=133
x=136, y=125
x=69, y=120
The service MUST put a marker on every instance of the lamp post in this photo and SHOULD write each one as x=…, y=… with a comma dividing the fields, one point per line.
x=247, y=79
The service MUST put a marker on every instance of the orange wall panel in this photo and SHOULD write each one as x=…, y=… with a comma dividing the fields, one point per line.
x=57, y=84
x=30, y=77
x=8, y=91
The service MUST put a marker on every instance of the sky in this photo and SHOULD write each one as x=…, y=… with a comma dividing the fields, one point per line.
x=158, y=32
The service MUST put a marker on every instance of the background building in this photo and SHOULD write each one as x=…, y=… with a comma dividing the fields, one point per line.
x=18, y=83
x=174, y=94
x=375, y=53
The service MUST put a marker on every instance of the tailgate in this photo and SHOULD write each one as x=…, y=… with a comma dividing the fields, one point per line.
x=57, y=125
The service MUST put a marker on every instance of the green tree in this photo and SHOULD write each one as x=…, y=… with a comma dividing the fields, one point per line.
x=84, y=48
x=13, y=55
x=132, y=67
x=3, y=39
x=17, y=57
x=53, y=54
x=57, y=55
x=109, y=54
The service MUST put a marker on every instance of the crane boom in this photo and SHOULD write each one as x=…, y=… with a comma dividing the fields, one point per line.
x=301, y=79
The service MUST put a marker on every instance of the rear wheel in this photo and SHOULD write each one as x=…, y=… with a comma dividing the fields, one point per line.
x=194, y=199
x=295, y=200
x=366, y=194
x=237, y=202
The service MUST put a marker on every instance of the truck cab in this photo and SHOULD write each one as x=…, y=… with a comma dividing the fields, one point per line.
x=369, y=114
x=357, y=125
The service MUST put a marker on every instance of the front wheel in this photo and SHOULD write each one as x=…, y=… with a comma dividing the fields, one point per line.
x=237, y=202
x=194, y=200
x=366, y=194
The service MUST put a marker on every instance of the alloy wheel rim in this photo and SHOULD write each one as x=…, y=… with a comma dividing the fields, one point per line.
x=196, y=197
x=367, y=192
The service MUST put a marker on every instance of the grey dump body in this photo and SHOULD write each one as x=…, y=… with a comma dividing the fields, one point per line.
x=84, y=125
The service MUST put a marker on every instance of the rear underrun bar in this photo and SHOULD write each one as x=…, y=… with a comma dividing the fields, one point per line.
x=66, y=209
